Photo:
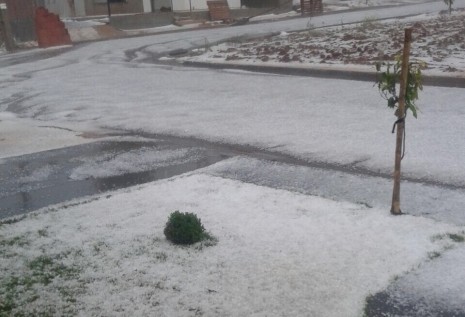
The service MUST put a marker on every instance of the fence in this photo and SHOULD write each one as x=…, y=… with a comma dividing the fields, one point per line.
x=311, y=6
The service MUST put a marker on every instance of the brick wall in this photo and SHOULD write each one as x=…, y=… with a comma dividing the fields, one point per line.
x=50, y=30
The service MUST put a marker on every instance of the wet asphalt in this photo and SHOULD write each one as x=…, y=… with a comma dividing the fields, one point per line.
x=30, y=182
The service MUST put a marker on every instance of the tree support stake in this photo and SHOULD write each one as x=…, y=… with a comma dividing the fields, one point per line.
x=395, y=207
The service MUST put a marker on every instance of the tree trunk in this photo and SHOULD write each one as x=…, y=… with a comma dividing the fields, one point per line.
x=395, y=207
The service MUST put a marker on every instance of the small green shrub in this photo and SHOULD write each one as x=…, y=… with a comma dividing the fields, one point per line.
x=184, y=228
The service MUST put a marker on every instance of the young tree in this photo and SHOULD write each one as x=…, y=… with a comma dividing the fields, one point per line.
x=449, y=3
x=408, y=75
x=390, y=78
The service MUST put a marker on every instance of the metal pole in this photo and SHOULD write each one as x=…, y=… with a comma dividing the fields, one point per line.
x=5, y=27
x=395, y=207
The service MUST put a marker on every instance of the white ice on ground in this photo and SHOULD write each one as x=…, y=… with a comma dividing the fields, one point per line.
x=84, y=33
x=274, y=16
x=419, y=199
x=20, y=136
x=139, y=160
x=436, y=284
x=279, y=253
x=71, y=23
x=37, y=175
x=364, y=3
x=339, y=121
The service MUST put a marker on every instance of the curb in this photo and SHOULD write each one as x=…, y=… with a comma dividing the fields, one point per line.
x=428, y=80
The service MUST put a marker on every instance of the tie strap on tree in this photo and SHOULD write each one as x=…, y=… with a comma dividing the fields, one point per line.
x=397, y=122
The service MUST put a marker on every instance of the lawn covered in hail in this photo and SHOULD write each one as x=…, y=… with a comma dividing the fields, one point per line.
x=278, y=253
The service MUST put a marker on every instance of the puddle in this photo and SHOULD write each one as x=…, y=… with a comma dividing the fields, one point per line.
x=30, y=182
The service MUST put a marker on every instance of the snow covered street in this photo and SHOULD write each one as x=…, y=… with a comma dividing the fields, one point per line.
x=279, y=112
x=306, y=232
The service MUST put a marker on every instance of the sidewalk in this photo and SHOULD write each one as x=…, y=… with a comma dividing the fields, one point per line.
x=128, y=25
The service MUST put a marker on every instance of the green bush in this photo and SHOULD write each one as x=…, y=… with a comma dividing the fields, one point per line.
x=184, y=228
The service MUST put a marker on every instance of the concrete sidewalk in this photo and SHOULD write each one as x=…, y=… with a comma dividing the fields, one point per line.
x=131, y=26
x=140, y=24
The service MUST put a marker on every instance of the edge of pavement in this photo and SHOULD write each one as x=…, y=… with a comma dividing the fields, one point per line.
x=453, y=80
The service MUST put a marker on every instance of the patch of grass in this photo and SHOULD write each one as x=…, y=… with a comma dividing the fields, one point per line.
x=161, y=256
x=45, y=268
x=12, y=220
x=11, y=244
x=99, y=247
x=19, y=241
x=209, y=241
x=433, y=255
x=67, y=294
x=456, y=237
x=19, y=289
x=42, y=233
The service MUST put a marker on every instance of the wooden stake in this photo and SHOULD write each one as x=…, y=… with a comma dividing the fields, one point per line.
x=395, y=207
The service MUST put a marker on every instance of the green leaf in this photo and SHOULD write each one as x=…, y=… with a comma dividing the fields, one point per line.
x=414, y=111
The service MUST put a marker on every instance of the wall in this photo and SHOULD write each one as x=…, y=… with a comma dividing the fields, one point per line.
x=79, y=8
x=64, y=8
x=196, y=5
x=181, y=5
x=99, y=7
x=158, y=4
x=147, y=6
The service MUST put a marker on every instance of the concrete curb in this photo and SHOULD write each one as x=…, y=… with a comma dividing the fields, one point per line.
x=428, y=80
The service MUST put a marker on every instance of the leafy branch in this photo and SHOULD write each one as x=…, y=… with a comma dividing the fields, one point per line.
x=388, y=80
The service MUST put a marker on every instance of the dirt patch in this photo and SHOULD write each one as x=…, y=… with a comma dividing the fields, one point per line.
x=438, y=40
x=107, y=31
